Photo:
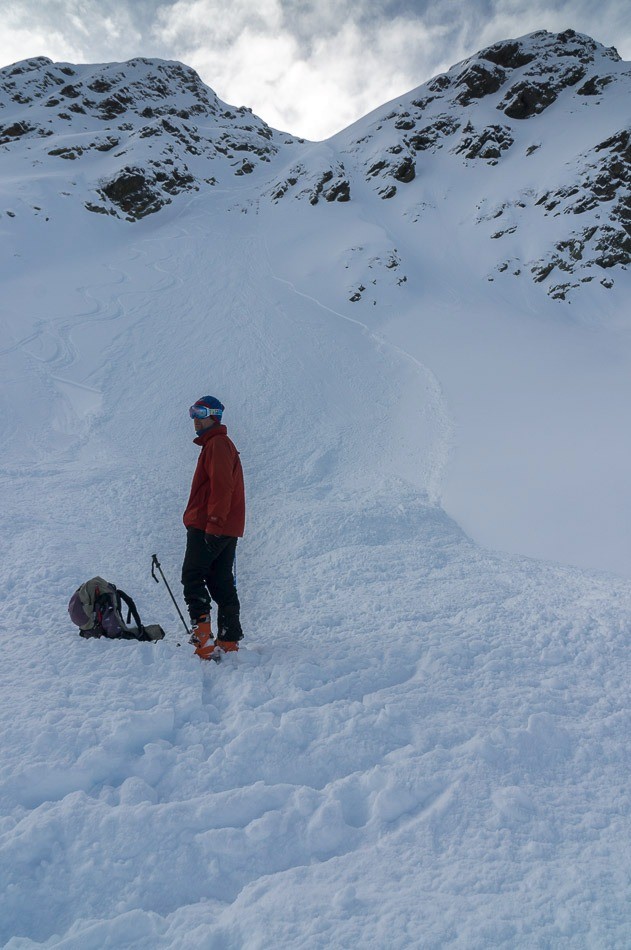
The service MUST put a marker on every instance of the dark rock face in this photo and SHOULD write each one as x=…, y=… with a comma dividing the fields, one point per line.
x=439, y=84
x=527, y=99
x=14, y=131
x=71, y=152
x=388, y=192
x=332, y=184
x=399, y=162
x=174, y=180
x=607, y=180
x=376, y=168
x=28, y=66
x=100, y=85
x=606, y=184
x=561, y=66
x=613, y=247
x=246, y=168
x=330, y=189
x=339, y=192
x=405, y=171
x=487, y=144
x=571, y=43
x=604, y=247
x=281, y=189
x=136, y=192
x=131, y=192
x=509, y=55
x=617, y=161
x=430, y=136
x=124, y=86
x=479, y=81
x=113, y=106
x=594, y=86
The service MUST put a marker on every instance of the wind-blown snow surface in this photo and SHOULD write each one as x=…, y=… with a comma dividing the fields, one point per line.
x=420, y=744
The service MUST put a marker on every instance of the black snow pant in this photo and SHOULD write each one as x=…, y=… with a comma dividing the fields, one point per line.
x=208, y=571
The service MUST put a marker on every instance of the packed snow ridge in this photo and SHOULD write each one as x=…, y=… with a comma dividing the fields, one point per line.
x=527, y=142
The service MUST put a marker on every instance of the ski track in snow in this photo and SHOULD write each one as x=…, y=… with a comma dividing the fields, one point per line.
x=421, y=743
x=65, y=344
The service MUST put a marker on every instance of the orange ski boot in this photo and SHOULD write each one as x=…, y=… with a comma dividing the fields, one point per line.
x=201, y=633
x=215, y=650
x=226, y=646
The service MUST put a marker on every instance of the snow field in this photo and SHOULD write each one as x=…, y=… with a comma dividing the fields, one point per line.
x=421, y=743
x=470, y=757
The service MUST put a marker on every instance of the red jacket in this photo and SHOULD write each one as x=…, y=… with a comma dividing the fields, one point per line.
x=217, y=501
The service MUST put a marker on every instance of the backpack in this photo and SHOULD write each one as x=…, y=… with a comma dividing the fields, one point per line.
x=96, y=607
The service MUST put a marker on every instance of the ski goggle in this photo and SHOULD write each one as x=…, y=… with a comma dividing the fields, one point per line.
x=203, y=412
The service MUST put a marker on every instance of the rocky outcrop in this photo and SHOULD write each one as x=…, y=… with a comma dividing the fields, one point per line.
x=488, y=144
x=137, y=192
x=603, y=194
x=165, y=130
x=479, y=80
x=510, y=55
x=329, y=183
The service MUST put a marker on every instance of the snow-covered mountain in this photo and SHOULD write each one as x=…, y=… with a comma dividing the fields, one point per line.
x=423, y=741
x=547, y=112
x=140, y=132
x=550, y=110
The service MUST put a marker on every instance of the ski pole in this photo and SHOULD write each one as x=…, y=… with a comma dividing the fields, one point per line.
x=155, y=563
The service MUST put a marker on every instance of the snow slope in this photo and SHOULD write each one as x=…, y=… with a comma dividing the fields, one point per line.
x=422, y=742
x=481, y=223
x=537, y=389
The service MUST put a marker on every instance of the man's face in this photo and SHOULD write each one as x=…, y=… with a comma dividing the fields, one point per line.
x=202, y=424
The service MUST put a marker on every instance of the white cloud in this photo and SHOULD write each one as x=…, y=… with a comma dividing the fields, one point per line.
x=23, y=43
x=214, y=23
x=305, y=66
x=311, y=87
x=68, y=30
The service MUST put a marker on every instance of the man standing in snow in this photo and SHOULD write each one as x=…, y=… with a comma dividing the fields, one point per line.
x=214, y=519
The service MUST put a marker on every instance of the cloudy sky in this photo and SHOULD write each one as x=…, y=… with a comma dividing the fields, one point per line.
x=307, y=67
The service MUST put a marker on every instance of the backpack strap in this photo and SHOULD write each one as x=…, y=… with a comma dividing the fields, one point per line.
x=131, y=611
